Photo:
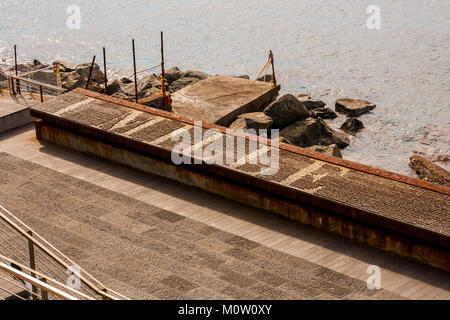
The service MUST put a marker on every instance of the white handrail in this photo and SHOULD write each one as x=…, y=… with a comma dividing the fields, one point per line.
x=38, y=283
x=36, y=236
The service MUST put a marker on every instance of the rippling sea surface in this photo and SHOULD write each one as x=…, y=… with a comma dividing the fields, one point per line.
x=320, y=47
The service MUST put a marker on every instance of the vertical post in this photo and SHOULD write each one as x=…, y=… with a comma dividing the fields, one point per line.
x=163, y=72
x=274, y=80
x=104, y=70
x=58, y=76
x=32, y=263
x=41, y=94
x=90, y=73
x=10, y=86
x=135, y=74
x=15, y=68
x=44, y=294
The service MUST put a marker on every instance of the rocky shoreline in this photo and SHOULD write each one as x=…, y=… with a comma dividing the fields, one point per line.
x=300, y=119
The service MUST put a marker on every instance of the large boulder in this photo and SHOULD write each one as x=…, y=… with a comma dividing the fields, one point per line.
x=254, y=120
x=285, y=111
x=309, y=132
x=72, y=80
x=353, y=107
x=429, y=171
x=114, y=87
x=310, y=103
x=352, y=125
x=148, y=82
x=323, y=113
x=331, y=150
x=127, y=88
x=84, y=69
x=173, y=74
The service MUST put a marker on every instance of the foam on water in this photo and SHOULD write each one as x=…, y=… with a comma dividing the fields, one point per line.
x=321, y=47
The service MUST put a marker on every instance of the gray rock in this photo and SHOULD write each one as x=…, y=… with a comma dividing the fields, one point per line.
x=310, y=132
x=254, y=120
x=182, y=82
x=195, y=74
x=72, y=80
x=331, y=150
x=310, y=103
x=148, y=82
x=84, y=69
x=354, y=107
x=114, y=87
x=128, y=88
x=323, y=113
x=352, y=125
x=243, y=77
x=285, y=111
x=173, y=74
x=65, y=66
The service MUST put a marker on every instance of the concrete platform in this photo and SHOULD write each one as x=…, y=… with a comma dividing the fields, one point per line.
x=110, y=191
x=220, y=99
x=15, y=111
x=388, y=211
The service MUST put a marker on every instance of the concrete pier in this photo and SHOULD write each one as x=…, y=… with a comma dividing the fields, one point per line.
x=385, y=210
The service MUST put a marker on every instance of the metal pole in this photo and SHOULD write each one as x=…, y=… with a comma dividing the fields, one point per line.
x=58, y=76
x=163, y=72
x=274, y=80
x=135, y=74
x=32, y=263
x=15, y=68
x=90, y=73
x=104, y=68
x=41, y=94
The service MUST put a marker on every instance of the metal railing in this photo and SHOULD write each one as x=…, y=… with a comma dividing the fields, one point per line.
x=20, y=243
x=20, y=282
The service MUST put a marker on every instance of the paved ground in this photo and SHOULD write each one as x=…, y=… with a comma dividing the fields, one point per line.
x=15, y=111
x=146, y=252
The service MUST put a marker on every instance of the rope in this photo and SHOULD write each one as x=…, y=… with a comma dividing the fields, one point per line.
x=264, y=69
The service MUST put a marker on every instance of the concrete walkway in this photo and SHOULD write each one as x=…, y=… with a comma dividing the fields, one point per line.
x=282, y=259
x=15, y=111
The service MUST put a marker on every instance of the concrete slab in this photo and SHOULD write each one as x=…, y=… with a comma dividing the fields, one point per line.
x=15, y=111
x=220, y=99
